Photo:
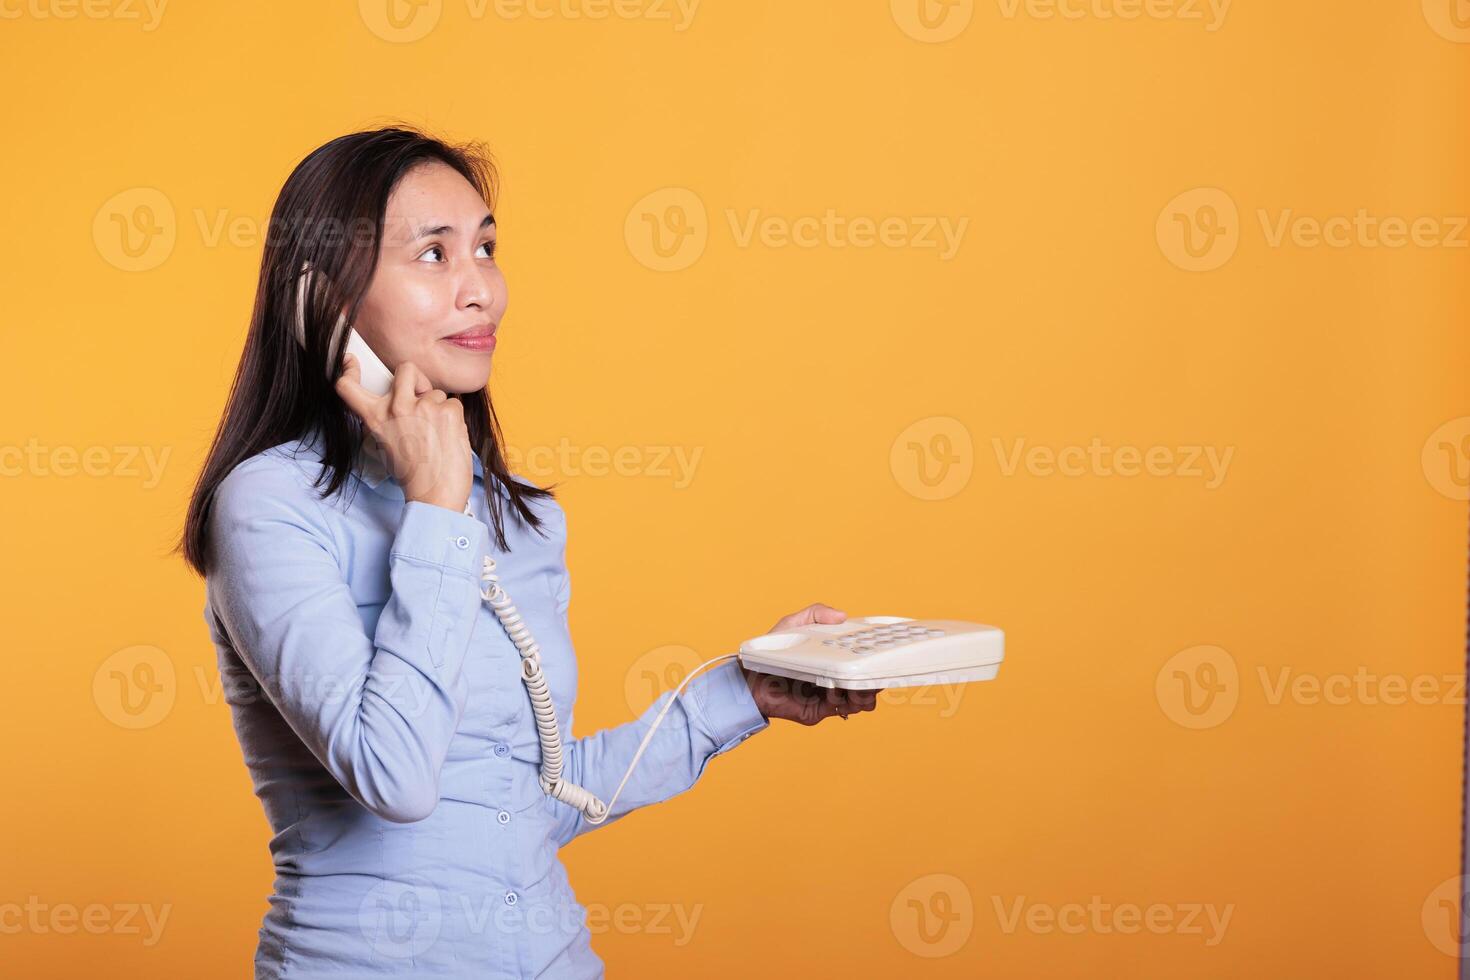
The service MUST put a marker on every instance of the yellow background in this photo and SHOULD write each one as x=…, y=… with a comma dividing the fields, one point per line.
x=1335, y=544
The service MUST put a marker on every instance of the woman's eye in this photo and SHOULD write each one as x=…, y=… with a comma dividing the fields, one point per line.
x=489, y=249
x=435, y=249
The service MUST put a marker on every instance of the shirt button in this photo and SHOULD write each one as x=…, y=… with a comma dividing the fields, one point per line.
x=510, y=898
x=503, y=816
x=461, y=542
x=502, y=750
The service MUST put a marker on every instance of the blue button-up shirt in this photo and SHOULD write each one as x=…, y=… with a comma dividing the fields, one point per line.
x=380, y=711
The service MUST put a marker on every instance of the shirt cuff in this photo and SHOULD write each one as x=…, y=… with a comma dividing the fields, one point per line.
x=724, y=707
x=439, y=536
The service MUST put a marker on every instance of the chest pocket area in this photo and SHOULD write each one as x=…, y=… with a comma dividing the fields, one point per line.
x=497, y=694
x=492, y=671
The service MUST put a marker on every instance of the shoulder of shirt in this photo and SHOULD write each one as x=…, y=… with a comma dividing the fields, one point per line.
x=281, y=477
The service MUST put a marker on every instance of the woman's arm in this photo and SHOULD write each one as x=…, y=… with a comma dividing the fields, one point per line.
x=378, y=712
x=713, y=714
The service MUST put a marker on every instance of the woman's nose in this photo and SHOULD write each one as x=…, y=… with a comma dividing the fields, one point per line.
x=476, y=288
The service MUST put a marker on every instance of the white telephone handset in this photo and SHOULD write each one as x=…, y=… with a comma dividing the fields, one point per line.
x=375, y=374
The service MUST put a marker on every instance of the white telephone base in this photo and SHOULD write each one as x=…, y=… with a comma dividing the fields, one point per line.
x=872, y=652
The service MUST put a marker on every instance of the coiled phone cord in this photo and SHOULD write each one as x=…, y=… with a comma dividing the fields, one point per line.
x=548, y=733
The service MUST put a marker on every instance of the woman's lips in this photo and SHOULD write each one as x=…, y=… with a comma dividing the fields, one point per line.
x=482, y=339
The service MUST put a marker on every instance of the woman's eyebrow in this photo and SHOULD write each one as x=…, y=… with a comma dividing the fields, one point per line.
x=486, y=222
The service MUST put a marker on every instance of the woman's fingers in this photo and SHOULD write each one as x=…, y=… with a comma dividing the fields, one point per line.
x=805, y=702
x=350, y=390
x=817, y=612
x=852, y=702
x=823, y=613
x=421, y=427
x=408, y=383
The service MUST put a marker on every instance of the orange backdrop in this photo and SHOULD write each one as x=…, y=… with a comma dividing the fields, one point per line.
x=1134, y=327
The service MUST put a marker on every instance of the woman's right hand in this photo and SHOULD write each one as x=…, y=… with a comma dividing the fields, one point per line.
x=422, y=431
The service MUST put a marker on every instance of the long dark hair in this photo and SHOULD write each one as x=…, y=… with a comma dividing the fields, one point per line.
x=330, y=214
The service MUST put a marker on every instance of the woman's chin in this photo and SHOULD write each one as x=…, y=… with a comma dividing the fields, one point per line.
x=462, y=378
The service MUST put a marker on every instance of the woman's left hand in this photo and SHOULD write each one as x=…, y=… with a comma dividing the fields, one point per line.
x=801, y=701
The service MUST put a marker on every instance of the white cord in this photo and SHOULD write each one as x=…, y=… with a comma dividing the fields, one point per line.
x=548, y=732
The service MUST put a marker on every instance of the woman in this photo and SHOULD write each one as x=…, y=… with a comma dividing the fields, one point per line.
x=377, y=697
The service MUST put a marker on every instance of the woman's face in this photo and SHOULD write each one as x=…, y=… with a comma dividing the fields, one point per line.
x=437, y=295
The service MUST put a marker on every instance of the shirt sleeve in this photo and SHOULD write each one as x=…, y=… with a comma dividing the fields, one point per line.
x=714, y=713
x=377, y=711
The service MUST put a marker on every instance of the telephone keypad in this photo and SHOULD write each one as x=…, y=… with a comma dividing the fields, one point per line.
x=880, y=637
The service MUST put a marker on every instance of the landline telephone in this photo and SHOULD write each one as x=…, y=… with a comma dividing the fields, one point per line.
x=865, y=653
